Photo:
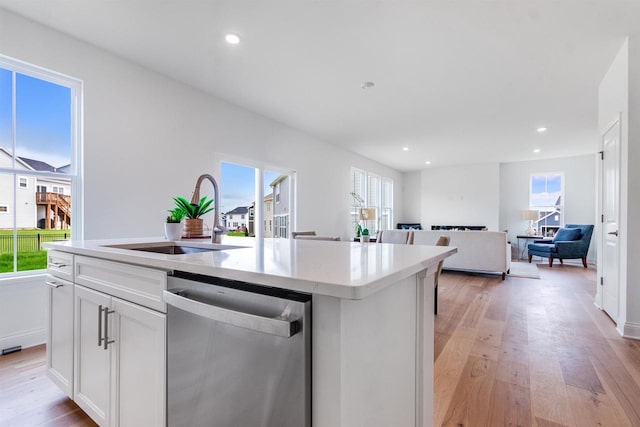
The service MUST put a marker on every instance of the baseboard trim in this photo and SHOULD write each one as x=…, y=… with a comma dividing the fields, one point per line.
x=631, y=330
x=25, y=339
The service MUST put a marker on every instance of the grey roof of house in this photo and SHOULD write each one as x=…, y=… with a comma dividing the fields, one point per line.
x=238, y=210
x=38, y=165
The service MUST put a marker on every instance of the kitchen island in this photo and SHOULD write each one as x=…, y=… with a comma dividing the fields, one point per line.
x=372, y=313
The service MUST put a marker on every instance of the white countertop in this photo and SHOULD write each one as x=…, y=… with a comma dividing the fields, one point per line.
x=339, y=269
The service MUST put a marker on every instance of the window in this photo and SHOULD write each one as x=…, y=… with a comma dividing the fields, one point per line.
x=281, y=226
x=546, y=195
x=40, y=122
x=240, y=193
x=277, y=193
x=369, y=190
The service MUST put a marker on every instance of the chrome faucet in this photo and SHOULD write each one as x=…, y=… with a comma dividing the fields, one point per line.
x=218, y=230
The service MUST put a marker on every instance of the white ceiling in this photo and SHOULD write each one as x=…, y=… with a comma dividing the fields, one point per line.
x=456, y=81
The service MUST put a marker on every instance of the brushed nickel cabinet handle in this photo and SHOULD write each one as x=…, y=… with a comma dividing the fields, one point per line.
x=54, y=284
x=100, y=325
x=107, y=341
x=58, y=264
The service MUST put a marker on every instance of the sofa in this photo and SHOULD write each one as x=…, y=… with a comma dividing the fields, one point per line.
x=482, y=251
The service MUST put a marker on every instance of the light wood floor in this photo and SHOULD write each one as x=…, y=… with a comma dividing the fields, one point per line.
x=527, y=352
x=29, y=398
x=519, y=352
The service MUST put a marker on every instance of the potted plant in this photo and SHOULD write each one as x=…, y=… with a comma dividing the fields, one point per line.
x=173, y=226
x=365, y=235
x=193, y=222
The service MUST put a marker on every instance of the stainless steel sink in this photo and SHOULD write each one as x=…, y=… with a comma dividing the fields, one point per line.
x=175, y=250
x=172, y=248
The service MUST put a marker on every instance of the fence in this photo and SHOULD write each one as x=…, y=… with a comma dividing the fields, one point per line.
x=30, y=242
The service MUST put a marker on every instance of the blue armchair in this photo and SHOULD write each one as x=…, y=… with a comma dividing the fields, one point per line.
x=568, y=244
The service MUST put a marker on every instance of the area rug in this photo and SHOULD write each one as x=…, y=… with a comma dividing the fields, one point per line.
x=524, y=269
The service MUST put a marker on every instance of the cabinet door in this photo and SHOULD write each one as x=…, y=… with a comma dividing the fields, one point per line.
x=60, y=333
x=138, y=366
x=92, y=361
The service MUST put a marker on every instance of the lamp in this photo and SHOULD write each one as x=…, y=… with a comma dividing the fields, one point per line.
x=531, y=216
x=367, y=214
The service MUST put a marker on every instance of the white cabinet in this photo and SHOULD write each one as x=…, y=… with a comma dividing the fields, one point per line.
x=92, y=361
x=138, y=365
x=120, y=360
x=60, y=333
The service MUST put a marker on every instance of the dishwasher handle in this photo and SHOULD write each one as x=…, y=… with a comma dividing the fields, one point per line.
x=267, y=325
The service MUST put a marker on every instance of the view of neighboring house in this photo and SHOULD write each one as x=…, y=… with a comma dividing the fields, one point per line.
x=238, y=218
x=244, y=216
x=252, y=214
x=267, y=230
x=281, y=212
x=40, y=202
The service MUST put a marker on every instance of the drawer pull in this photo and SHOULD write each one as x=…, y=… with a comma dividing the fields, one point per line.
x=106, y=339
x=100, y=325
x=54, y=284
x=58, y=264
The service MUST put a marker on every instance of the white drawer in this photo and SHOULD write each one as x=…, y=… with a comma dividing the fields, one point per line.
x=60, y=264
x=139, y=285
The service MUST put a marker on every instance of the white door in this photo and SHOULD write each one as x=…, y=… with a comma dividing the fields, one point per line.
x=138, y=366
x=610, y=211
x=92, y=361
x=60, y=334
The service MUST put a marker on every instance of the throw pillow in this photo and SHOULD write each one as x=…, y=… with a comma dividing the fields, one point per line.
x=567, y=234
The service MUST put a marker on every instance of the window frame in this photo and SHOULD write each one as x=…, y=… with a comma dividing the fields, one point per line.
x=558, y=208
x=366, y=178
x=75, y=176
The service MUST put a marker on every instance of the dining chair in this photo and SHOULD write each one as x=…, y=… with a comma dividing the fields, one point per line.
x=442, y=241
x=394, y=236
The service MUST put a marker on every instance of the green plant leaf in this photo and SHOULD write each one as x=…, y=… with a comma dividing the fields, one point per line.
x=189, y=209
x=192, y=211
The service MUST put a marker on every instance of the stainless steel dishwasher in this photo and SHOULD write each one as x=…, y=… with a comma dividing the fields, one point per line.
x=238, y=354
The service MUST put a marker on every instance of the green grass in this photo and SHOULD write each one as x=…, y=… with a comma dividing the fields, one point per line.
x=26, y=261
x=236, y=233
x=29, y=257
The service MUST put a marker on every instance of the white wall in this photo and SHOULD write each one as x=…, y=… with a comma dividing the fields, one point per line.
x=411, y=197
x=149, y=133
x=23, y=309
x=461, y=195
x=147, y=138
x=579, y=192
x=632, y=193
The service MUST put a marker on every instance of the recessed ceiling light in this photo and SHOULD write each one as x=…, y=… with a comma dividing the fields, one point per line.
x=541, y=130
x=427, y=162
x=537, y=150
x=405, y=148
x=367, y=85
x=232, y=39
